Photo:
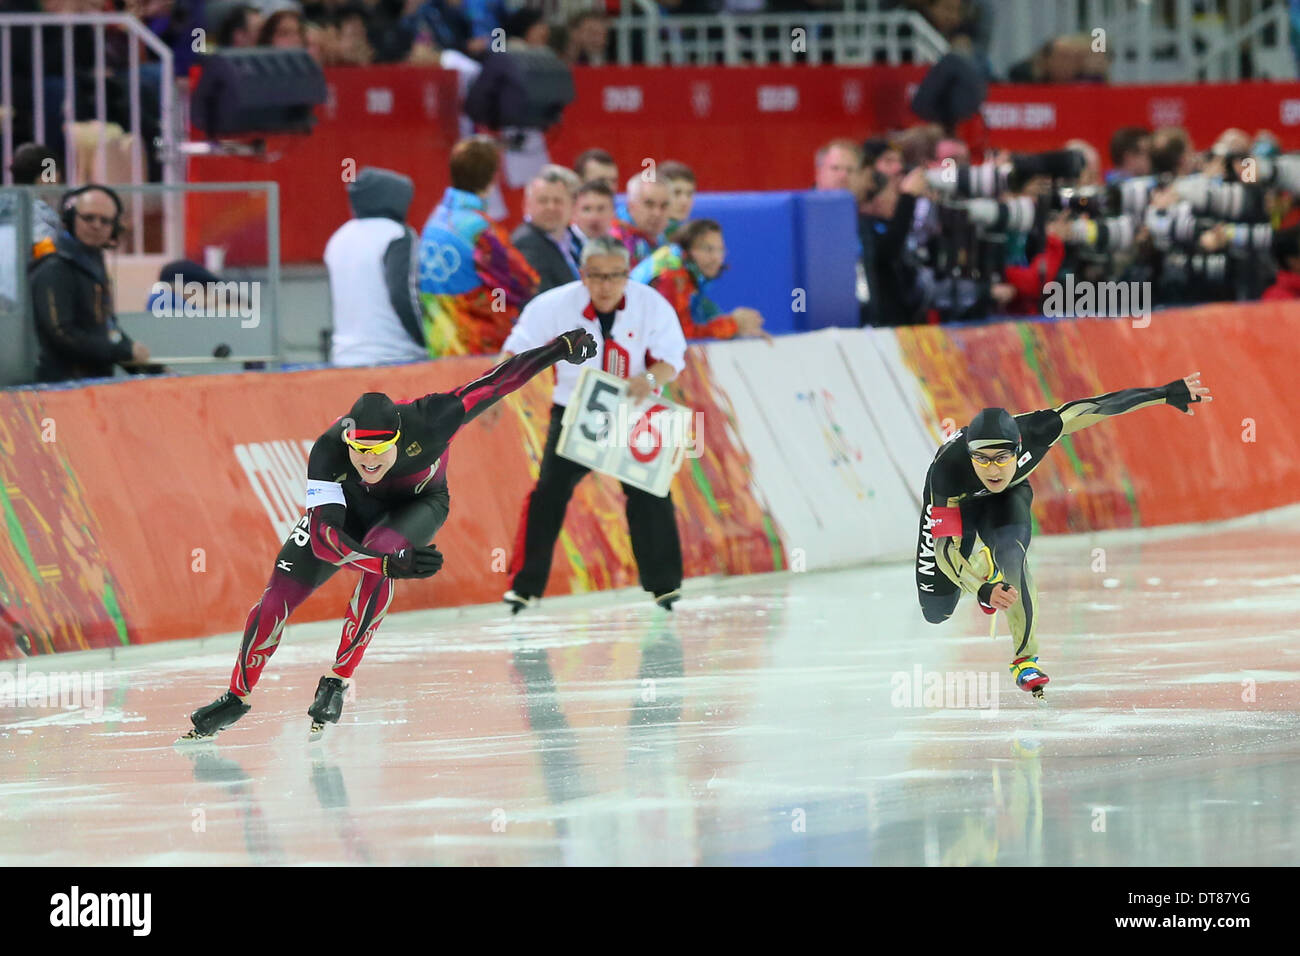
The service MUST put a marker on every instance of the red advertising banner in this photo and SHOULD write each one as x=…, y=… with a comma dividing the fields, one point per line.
x=397, y=117
x=740, y=128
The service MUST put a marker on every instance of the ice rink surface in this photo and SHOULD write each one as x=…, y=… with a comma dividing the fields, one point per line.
x=783, y=719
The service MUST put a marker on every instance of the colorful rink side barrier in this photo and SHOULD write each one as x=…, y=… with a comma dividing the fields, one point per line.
x=1238, y=455
x=152, y=509
x=157, y=510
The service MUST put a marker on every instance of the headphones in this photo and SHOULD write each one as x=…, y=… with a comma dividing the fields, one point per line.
x=68, y=208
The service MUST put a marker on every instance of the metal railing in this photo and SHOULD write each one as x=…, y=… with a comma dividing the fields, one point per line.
x=137, y=33
x=1171, y=41
x=859, y=36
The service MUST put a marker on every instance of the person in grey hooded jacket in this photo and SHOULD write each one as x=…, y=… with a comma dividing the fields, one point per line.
x=374, y=273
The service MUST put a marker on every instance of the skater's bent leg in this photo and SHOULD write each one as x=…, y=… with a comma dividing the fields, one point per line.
x=938, y=593
x=543, y=515
x=937, y=608
x=411, y=524
x=652, y=525
x=370, y=602
x=298, y=572
x=264, y=626
x=1007, y=533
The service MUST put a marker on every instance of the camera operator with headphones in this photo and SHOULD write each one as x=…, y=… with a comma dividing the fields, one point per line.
x=72, y=299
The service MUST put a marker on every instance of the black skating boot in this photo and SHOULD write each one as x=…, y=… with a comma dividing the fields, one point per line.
x=218, y=715
x=328, y=705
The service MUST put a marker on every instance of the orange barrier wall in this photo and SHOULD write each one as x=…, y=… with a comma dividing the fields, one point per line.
x=1239, y=454
x=137, y=523
x=130, y=518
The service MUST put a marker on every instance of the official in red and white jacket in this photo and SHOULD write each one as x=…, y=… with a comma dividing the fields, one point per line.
x=638, y=338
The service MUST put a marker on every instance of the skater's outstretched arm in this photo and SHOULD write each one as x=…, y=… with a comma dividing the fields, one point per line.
x=1083, y=412
x=478, y=396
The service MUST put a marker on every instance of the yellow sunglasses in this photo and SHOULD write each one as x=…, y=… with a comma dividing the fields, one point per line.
x=379, y=449
x=1002, y=458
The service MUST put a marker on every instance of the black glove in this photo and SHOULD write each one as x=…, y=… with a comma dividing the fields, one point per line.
x=985, y=596
x=1179, y=396
x=578, y=346
x=413, y=563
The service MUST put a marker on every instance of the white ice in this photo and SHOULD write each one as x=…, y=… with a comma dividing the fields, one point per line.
x=764, y=721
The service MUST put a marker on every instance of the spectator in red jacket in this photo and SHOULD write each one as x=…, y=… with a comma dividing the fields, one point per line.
x=1286, y=250
x=1021, y=291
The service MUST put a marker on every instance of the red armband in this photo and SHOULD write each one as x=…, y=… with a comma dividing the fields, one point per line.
x=945, y=522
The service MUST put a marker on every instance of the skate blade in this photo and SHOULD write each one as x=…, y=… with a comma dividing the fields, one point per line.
x=1038, y=696
x=194, y=739
x=316, y=732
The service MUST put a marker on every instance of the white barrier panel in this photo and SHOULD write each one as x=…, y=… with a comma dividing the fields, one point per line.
x=838, y=446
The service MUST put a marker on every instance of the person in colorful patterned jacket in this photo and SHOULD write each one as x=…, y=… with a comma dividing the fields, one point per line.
x=473, y=281
x=681, y=273
x=647, y=205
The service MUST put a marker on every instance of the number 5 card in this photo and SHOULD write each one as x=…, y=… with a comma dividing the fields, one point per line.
x=641, y=445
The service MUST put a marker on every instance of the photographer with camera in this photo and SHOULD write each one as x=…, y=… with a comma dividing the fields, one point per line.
x=898, y=286
x=1001, y=241
x=1205, y=236
x=1194, y=237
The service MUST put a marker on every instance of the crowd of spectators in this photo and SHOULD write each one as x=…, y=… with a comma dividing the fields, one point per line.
x=910, y=227
x=362, y=32
x=471, y=279
x=1195, y=225
x=917, y=236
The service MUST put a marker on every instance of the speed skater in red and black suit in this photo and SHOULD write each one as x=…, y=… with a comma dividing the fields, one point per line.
x=978, y=487
x=376, y=496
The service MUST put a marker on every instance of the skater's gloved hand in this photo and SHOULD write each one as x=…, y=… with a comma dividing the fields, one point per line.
x=999, y=597
x=1188, y=391
x=579, y=345
x=413, y=563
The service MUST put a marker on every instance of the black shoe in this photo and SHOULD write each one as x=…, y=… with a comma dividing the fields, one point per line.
x=218, y=715
x=328, y=705
x=668, y=598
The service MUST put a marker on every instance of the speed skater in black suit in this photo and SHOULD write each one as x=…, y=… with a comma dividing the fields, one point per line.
x=376, y=496
x=978, y=487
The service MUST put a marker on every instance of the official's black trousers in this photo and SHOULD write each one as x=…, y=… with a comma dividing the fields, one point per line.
x=651, y=522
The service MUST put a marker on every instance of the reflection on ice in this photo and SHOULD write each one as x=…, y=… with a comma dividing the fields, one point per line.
x=758, y=723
